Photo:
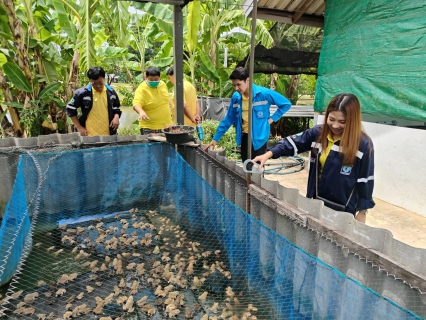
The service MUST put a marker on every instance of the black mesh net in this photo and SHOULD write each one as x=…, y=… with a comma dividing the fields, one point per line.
x=296, y=51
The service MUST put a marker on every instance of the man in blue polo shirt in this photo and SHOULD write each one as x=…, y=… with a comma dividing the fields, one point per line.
x=237, y=114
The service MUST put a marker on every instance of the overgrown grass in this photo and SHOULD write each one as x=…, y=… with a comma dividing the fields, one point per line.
x=129, y=130
x=125, y=93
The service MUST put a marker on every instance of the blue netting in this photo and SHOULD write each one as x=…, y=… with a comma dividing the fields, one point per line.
x=280, y=279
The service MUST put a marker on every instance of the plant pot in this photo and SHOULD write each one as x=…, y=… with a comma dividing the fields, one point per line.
x=179, y=134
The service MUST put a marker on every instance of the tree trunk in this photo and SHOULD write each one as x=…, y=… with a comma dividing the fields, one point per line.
x=18, y=31
x=274, y=80
x=8, y=97
x=292, y=88
x=73, y=77
x=129, y=75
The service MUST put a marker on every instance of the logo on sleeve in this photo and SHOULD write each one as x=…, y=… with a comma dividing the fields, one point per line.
x=346, y=170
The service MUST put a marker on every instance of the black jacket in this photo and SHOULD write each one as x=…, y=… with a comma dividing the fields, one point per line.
x=83, y=98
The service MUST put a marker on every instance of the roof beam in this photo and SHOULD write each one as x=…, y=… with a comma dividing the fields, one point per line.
x=320, y=9
x=279, y=4
x=286, y=17
x=314, y=6
x=294, y=5
x=301, y=10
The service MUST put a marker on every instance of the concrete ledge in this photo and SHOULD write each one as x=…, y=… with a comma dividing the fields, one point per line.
x=311, y=206
x=220, y=157
x=70, y=138
x=289, y=195
x=240, y=171
x=25, y=142
x=341, y=221
x=270, y=186
x=230, y=164
x=255, y=178
x=126, y=138
x=48, y=139
x=141, y=138
x=94, y=139
x=7, y=142
x=280, y=206
x=220, y=152
x=108, y=139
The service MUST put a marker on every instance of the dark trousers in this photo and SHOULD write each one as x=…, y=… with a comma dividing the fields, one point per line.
x=254, y=153
x=148, y=131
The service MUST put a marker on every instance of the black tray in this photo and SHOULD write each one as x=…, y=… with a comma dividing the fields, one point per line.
x=179, y=138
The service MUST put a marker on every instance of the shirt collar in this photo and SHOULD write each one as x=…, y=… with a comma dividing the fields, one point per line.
x=329, y=138
x=89, y=87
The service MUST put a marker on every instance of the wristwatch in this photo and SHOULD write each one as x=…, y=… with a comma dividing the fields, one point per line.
x=365, y=211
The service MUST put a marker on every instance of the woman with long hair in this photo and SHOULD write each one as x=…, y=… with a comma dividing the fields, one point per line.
x=341, y=169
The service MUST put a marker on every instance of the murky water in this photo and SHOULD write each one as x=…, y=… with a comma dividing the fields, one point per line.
x=176, y=264
x=128, y=116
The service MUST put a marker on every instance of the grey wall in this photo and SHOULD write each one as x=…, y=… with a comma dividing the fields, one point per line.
x=369, y=255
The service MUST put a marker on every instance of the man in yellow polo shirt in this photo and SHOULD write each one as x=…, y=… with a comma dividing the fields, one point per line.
x=191, y=107
x=151, y=102
x=100, y=108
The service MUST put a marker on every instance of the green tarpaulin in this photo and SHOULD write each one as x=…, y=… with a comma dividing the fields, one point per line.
x=375, y=49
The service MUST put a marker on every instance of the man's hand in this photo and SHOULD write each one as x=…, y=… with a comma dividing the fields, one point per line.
x=143, y=116
x=115, y=122
x=83, y=131
x=197, y=118
x=262, y=159
x=211, y=144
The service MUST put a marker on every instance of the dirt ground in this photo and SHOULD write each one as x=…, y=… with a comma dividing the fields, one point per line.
x=406, y=226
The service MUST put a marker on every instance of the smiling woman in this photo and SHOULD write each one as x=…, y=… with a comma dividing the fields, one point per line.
x=336, y=121
x=342, y=158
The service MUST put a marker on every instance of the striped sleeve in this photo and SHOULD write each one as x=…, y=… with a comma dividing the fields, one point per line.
x=297, y=143
x=72, y=105
x=365, y=179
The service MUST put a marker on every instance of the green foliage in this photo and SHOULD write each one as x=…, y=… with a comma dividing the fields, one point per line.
x=126, y=96
x=16, y=76
x=129, y=130
x=290, y=125
x=31, y=118
x=228, y=140
x=307, y=85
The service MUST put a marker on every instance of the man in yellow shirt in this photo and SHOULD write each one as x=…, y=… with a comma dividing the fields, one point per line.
x=100, y=108
x=151, y=102
x=191, y=107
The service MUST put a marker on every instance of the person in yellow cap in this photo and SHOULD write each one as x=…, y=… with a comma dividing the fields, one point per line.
x=191, y=107
x=151, y=102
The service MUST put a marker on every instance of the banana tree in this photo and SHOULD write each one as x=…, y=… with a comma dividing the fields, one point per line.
x=211, y=29
x=23, y=50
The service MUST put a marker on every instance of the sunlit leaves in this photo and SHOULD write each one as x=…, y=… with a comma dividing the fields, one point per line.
x=86, y=43
x=3, y=59
x=49, y=91
x=64, y=20
x=48, y=72
x=193, y=22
